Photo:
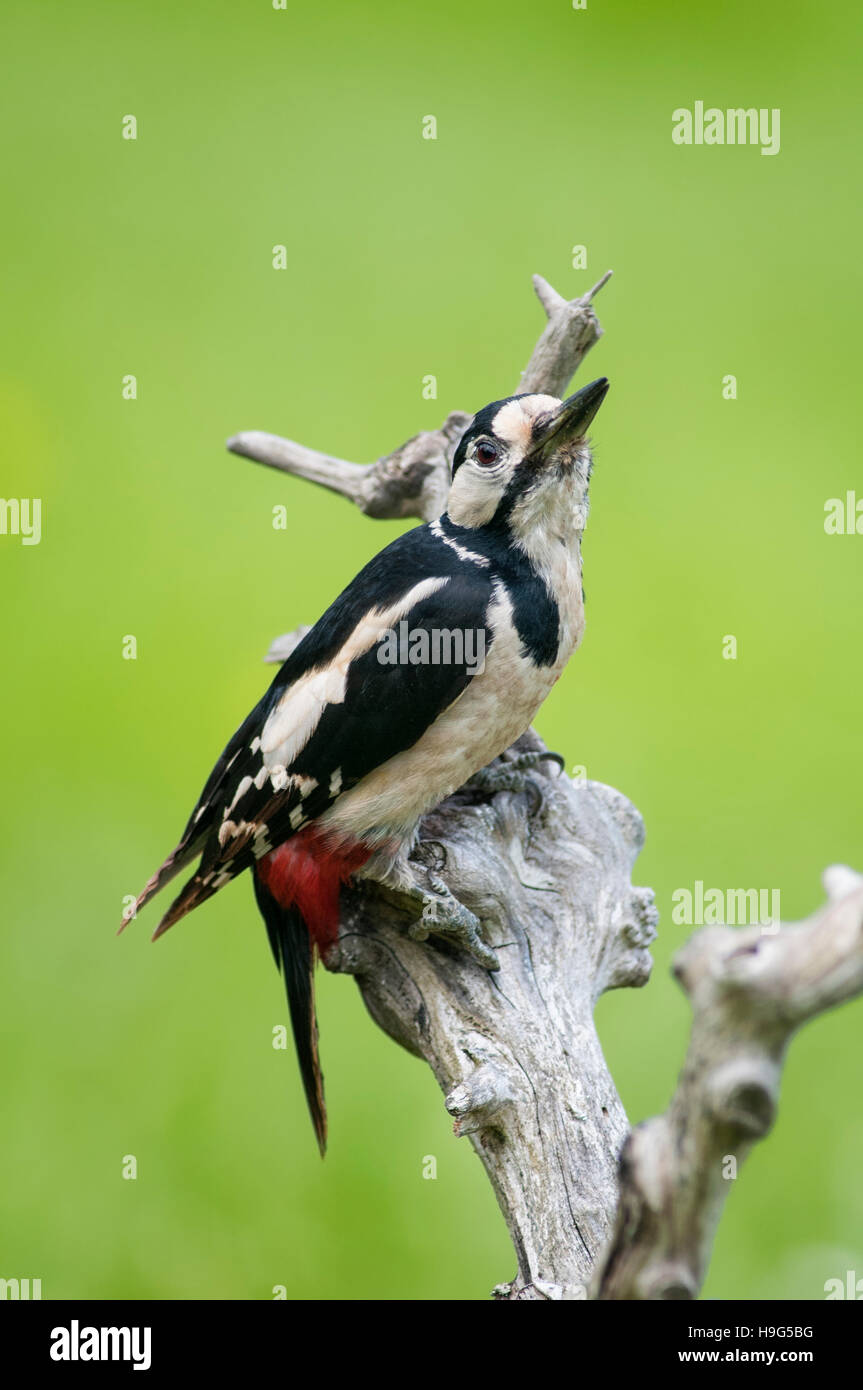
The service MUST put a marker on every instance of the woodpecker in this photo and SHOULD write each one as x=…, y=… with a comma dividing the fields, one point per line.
x=332, y=771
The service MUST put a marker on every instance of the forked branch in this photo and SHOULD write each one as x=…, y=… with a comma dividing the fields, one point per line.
x=413, y=480
x=547, y=868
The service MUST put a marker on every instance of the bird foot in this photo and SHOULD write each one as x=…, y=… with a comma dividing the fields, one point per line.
x=512, y=776
x=444, y=916
x=437, y=912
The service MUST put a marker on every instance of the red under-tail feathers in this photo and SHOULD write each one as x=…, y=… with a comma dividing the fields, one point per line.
x=307, y=872
x=297, y=888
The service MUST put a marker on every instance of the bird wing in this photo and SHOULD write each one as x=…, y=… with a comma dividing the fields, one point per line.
x=334, y=712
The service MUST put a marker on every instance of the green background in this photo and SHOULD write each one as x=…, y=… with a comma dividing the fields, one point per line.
x=405, y=257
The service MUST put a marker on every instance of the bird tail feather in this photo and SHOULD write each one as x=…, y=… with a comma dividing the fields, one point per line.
x=292, y=949
x=173, y=865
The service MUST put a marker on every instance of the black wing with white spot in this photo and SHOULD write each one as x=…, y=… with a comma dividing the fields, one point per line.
x=335, y=710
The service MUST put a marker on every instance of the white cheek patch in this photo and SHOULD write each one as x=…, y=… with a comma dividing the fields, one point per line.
x=476, y=492
x=474, y=496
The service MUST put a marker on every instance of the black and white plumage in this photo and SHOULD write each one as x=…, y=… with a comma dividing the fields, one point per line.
x=333, y=769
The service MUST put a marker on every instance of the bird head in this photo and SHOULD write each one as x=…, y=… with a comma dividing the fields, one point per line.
x=523, y=465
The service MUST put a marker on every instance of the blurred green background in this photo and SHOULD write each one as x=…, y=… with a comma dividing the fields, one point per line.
x=405, y=257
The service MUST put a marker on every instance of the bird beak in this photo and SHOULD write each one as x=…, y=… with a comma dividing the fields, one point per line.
x=571, y=419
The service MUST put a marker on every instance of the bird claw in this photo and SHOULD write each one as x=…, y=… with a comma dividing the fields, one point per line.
x=512, y=776
x=445, y=916
x=433, y=907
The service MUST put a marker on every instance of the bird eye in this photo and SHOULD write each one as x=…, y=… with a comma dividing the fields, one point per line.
x=486, y=452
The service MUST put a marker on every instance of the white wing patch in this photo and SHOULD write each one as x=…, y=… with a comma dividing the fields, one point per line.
x=490, y=713
x=296, y=716
x=242, y=788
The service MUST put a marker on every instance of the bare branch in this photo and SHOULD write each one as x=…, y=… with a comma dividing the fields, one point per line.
x=570, y=333
x=750, y=990
x=516, y=1052
x=336, y=474
x=281, y=647
x=411, y=481
x=414, y=479
x=551, y=301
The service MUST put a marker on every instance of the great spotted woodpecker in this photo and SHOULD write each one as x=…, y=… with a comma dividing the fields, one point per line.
x=331, y=773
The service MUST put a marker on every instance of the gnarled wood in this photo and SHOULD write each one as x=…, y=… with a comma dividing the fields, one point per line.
x=548, y=871
x=751, y=989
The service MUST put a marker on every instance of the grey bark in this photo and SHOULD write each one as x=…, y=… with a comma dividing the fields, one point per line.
x=548, y=871
x=750, y=989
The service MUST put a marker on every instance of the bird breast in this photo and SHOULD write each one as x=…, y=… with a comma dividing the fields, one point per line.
x=491, y=713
